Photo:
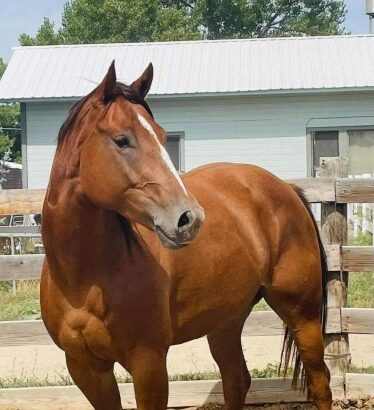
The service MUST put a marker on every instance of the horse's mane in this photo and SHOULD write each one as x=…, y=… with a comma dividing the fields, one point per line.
x=119, y=90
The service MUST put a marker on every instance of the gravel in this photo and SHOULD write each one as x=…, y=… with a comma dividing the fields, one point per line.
x=364, y=403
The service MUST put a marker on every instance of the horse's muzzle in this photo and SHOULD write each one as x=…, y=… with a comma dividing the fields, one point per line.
x=183, y=231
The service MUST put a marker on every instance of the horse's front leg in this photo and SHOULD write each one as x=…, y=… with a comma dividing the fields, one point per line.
x=147, y=367
x=96, y=380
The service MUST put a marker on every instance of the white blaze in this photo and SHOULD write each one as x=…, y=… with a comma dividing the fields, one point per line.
x=164, y=155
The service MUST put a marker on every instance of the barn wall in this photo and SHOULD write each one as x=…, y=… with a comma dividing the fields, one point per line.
x=267, y=131
x=42, y=122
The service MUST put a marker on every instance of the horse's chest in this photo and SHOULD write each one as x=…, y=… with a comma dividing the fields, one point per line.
x=82, y=332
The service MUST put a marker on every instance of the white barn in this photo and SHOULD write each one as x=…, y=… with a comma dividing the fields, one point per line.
x=280, y=103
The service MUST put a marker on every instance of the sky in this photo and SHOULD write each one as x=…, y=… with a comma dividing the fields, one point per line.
x=25, y=16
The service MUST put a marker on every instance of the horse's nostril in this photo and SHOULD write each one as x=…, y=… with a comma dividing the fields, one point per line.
x=184, y=219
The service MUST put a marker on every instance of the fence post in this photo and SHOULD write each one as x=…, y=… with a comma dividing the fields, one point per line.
x=334, y=231
x=12, y=252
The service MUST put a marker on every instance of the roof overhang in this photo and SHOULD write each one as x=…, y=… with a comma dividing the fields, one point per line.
x=210, y=95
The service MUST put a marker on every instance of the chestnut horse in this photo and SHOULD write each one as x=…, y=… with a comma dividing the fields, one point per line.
x=131, y=268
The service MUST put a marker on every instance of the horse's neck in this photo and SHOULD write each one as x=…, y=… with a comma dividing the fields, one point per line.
x=79, y=237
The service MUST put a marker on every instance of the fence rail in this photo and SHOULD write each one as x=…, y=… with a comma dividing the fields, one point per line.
x=339, y=258
x=341, y=320
x=361, y=216
x=339, y=190
x=181, y=394
x=262, y=323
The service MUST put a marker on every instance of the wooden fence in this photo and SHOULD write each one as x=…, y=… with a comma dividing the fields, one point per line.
x=361, y=216
x=334, y=193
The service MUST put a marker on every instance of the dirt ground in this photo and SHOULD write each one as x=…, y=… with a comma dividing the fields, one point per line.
x=49, y=361
x=293, y=406
x=364, y=403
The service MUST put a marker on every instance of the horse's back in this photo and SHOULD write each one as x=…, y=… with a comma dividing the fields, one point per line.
x=236, y=184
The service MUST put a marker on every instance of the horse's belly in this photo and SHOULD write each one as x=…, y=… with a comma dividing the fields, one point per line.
x=206, y=302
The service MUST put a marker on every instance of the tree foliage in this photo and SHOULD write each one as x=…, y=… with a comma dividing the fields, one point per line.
x=10, y=136
x=265, y=18
x=104, y=21
x=108, y=21
x=45, y=35
x=2, y=67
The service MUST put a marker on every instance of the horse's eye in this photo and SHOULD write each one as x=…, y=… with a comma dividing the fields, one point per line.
x=122, y=141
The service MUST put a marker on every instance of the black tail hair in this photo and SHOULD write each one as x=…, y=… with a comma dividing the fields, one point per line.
x=290, y=353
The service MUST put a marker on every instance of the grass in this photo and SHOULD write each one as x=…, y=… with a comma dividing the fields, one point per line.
x=360, y=240
x=271, y=370
x=361, y=290
x=22, y=305
x=10, y=382
x=361, y=370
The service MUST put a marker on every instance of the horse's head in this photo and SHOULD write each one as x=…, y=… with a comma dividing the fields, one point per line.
x=121, y=162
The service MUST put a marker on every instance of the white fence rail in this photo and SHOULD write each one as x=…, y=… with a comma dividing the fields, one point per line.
x=361, y=216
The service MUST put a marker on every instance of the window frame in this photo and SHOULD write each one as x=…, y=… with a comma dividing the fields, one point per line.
x=343, y=142
x=315, y=168
x=180, y=135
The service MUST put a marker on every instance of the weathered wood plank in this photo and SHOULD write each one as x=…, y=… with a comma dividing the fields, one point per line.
x=358, y=258
x=359, y=385
x=181, y=394
x=334, y=231
x=21, y=201
x=316, y=189
x=20, y=230
x=268, y=323
x=345, y=190
x=33, y=332
x=355, y=259
x=333, y=255
x=23, y=333
x=357, y=320
x=24, y=267
x=263, y=324
x=20, y=267
x=352, y=190
x=19, y=235
x=334, y=321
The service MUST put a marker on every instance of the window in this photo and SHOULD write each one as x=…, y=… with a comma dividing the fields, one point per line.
x=174, y=147
x=325, y=144
x=361, y=152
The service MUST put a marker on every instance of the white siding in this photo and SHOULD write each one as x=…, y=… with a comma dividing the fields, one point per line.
x=267, y=131
x=42, y=122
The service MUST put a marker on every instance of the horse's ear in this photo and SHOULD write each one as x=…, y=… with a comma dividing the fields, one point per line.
x=105, y=88
x=144, y=82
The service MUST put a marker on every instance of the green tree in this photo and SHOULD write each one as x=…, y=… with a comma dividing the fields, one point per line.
x=175, y=24
x=10, y=136
x=111, y=21
x=45, y=35
x=104, y=21
x=265, y=18
x=2, y=67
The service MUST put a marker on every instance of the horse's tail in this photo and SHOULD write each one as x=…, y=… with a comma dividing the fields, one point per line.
x=289, y=351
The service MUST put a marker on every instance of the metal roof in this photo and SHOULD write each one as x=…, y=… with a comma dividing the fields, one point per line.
x=195, y=67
